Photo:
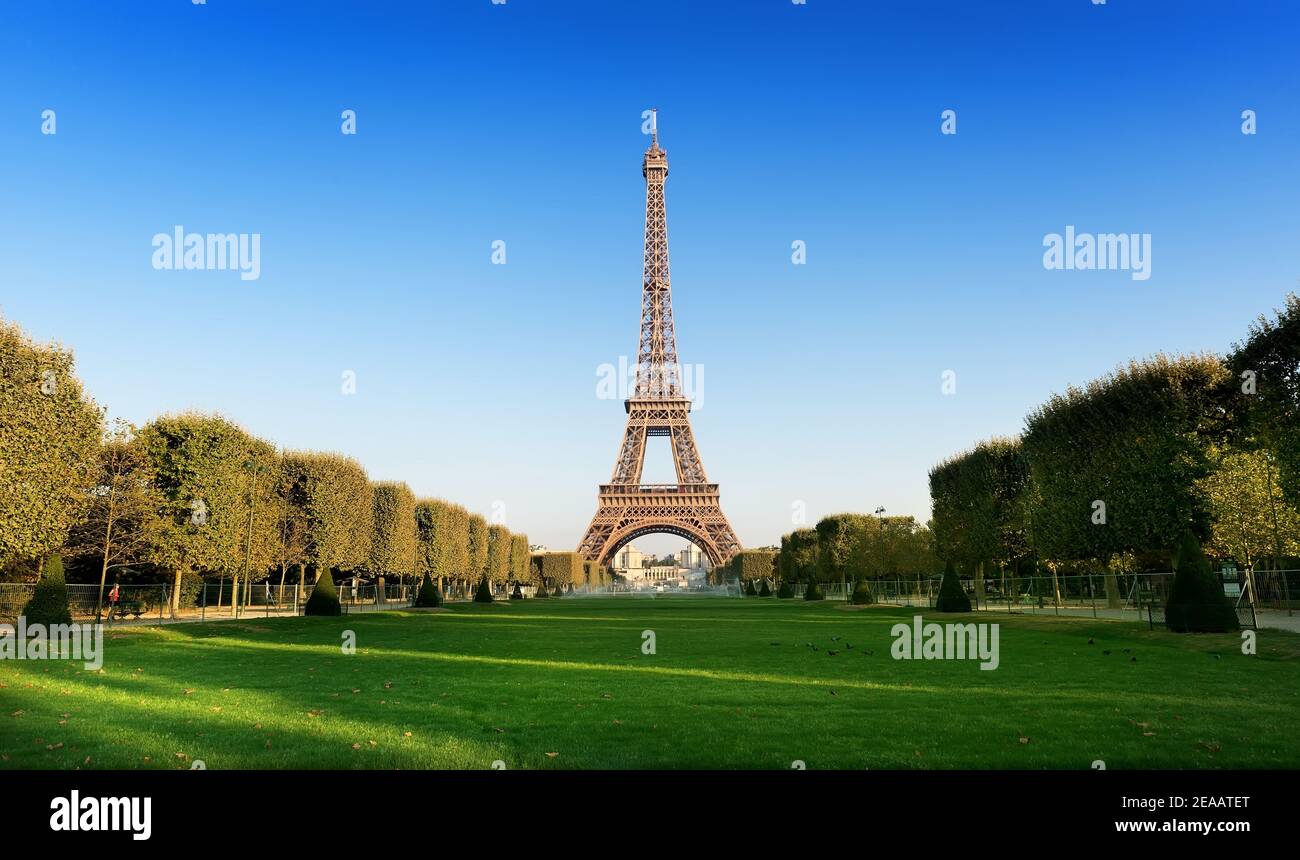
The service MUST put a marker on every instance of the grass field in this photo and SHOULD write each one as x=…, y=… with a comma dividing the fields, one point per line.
x=734, y=684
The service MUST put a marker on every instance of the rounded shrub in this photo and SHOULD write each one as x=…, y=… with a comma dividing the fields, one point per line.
x=952, y=597
x=484, y=592
x=49, y=603
x=786, y=591
x=1197, y=603
x=766, y=590
x=428, y=596
x=324, y=599
x=813, y=591
x=862, y=595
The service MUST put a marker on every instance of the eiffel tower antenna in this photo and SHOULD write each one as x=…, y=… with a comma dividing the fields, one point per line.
x=627, y=509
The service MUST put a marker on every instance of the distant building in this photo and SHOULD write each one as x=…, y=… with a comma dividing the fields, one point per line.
x=628, y=561
x=692, y=558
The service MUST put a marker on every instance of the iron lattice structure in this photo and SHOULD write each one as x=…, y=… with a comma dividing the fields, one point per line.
x=658, y=406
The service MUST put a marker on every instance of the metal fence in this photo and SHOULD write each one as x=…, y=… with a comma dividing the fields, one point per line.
x=134, y=602
x=1134, y=596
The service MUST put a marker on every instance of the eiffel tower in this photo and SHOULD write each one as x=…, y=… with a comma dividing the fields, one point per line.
x=627, y=508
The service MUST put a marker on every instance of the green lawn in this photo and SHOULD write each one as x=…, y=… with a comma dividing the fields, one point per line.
x=563, y=684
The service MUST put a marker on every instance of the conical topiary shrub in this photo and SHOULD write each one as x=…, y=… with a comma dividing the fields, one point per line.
x=484, y=592
x=49, y=603
x=749, y=589
x=813, y=592
x=517, y=594
x=766, y=590
x=540, y=591
x=324, y=599
x=786, y=591
x=1197, y=603
x=952, y=597
x=429, y=594
x=862, y=595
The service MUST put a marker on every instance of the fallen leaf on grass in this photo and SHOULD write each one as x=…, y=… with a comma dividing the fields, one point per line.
x=552, y=755
x=1024, y=740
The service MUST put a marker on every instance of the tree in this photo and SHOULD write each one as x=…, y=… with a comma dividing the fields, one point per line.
x=498, y=555
x=212, y=512
x=335, y=493
x=324, y=599
x=862, y=595
x=114, y=530
x=49, y=602
x=1266, y=370
x=952, y=597
x=520, y=566
x=49, y=438
x=561, y=569
x=477, y=552
x=752, y=564
x=1197, y=603
x=981, y=507
x=838, y=539
x=428, y=595
x=799, y=555
x=1243, y=500
x=1118, y=467
x=292, y=525
x=393, y=543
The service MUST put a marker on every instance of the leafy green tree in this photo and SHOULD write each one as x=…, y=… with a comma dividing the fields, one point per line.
x=1266, y=372
x=214, y=497
x=799, y=555
x=478, y=547
x=428, y=596
x=561, y=570
x=49, y=442
x=1244, y=499
x=981, y=507
x=498, y=555
x=1117, y=467
x=952, y=597
x=324, y=600
x=49, y=602
x=520, y=566
x=335, y=492
x=444, y=539
x=1197, y=603
x=292, y=525
x=839, y=538
x=114, y=530
x=393, y=543
x=753, y=564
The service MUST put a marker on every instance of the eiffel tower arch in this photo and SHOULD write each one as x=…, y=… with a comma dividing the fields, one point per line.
x=626, y=508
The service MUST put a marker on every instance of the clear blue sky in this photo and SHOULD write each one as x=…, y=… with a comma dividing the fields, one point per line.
x=522, y=122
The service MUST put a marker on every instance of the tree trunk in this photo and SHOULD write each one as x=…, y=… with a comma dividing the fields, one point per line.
x=1113, y=598
x=176, y=592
